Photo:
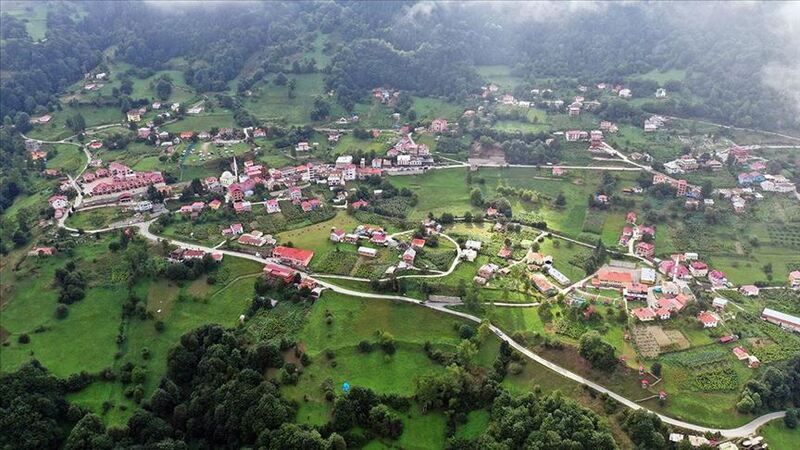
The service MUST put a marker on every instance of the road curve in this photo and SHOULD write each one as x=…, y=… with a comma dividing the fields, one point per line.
x=742, y=431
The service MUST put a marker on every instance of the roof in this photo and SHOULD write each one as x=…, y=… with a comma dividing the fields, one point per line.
x=707, y=317
x=605, y=274
x=644, y=313
x=298, y=255
x=781, y=316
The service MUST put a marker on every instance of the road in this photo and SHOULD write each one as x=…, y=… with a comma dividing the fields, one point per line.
x=742, y=431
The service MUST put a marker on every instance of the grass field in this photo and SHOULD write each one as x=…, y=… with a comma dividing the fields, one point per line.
x=428, y=108
x=780, y=437
x=97, y=218
x=272, y=103
x=69, y=160
x=33, y=15
x=219, y=118
x=662, y=76
x=94, y=116
x=500, y=75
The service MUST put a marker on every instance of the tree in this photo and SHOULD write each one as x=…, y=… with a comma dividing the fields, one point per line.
x=280, y=79
x=656, y=369
x=88, y=434
x=291, y=87
x=476, y=197
x=384, y=422
x=598, y=352
x=790, y=420
x=645, y=429
x=22, y=122
x=163, y=89
x=76, y=123
x=561, y=200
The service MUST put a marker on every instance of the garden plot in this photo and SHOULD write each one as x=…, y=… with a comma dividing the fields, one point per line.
x=652, y=340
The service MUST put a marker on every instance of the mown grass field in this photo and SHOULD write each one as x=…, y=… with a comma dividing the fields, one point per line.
x=70, y=159
x=97, y=218
x=271, y=102
x=56, y=129
x=779, y=436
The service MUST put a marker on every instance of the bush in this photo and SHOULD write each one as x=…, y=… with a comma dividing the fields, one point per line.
x=24, y=338
x=364, y=347
x=159, y=326
x=62, y=311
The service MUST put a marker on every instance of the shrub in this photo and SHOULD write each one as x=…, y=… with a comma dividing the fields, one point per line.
x=62, y=311
x=24, y=338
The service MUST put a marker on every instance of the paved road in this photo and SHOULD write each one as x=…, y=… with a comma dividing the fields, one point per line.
x=744, y=430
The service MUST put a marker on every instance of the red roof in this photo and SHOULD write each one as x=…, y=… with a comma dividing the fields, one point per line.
x=612, y=276
x=419, y=243
x=644, y=313
x=297, y=256
x=707, y=318
x=279, y=271
x=504, y=252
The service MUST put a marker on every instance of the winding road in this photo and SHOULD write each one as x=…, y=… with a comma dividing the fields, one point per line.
x=742, y=431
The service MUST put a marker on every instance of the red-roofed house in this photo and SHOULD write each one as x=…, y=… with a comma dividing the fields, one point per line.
x=708, y=319
x=337, y=235
x=240, y=207
x=280, y=272
x=418, y=243
x=609, y=277
x=631, y=217
x=645, y=249
x=504, y=252
x=644, y=314
x=214, y=204
x=741, y=354
x=358, y=204
x=491, y=212
x=295, y=194
x=663, y=313
x=186, y=135
x=717, y=278
x=293, y=256
x=272, y=206
x=378, y=237
x=698, y=269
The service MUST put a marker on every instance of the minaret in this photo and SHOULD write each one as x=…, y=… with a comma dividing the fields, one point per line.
x=235, y=169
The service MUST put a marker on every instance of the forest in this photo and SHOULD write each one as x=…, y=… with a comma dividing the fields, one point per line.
x=427, y=49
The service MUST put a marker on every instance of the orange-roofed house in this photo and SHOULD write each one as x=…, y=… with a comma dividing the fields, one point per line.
x=644, y=314
x=708, y=319
x=613, y=278
x=418, y=243
x=293, y=256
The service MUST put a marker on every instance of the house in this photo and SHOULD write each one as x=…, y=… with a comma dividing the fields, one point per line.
x=234, y=229
x=491, y=212
x=644, y=314
x=625, y=93
x=740, y=353
x=719, y=303
x=214, y=204
x=469, y=254
x=647, y=275
x=58, y=202
x=698, y=269
x=379, y=238
x=663, y=313
x=144, y=205
x=253, y=239
x=487, y=271
x=310, y=205
x=708, y=319
x=243, y=206
x=635, y=292
x=358, y=204
x=417, y=243
x=749, y=290
x=630, y=217
x=368, y=252
x=302, y=147
x=613, y=278
x=337, y=235
x=42, y=251
x=557, y=275
x=574, y=111
x=645, y=249
x=438, y=126
x=272, y=206
x=295, y=194
x=574, y=135
x=717, y=278
x=133, y=115
x=409, y=255
x=782, y=319
x=661, y=93
x=794, y=279
x=542, y=285
x=280, y=272
x=505, y=252
x=537, y=258
x=476, y=245
x=293, y=256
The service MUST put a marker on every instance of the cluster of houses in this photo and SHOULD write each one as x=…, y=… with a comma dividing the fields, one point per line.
x=186, y=254
x=406, y=152
x=120, y=179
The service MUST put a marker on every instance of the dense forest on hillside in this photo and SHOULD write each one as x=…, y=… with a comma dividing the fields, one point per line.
x=730, y=56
